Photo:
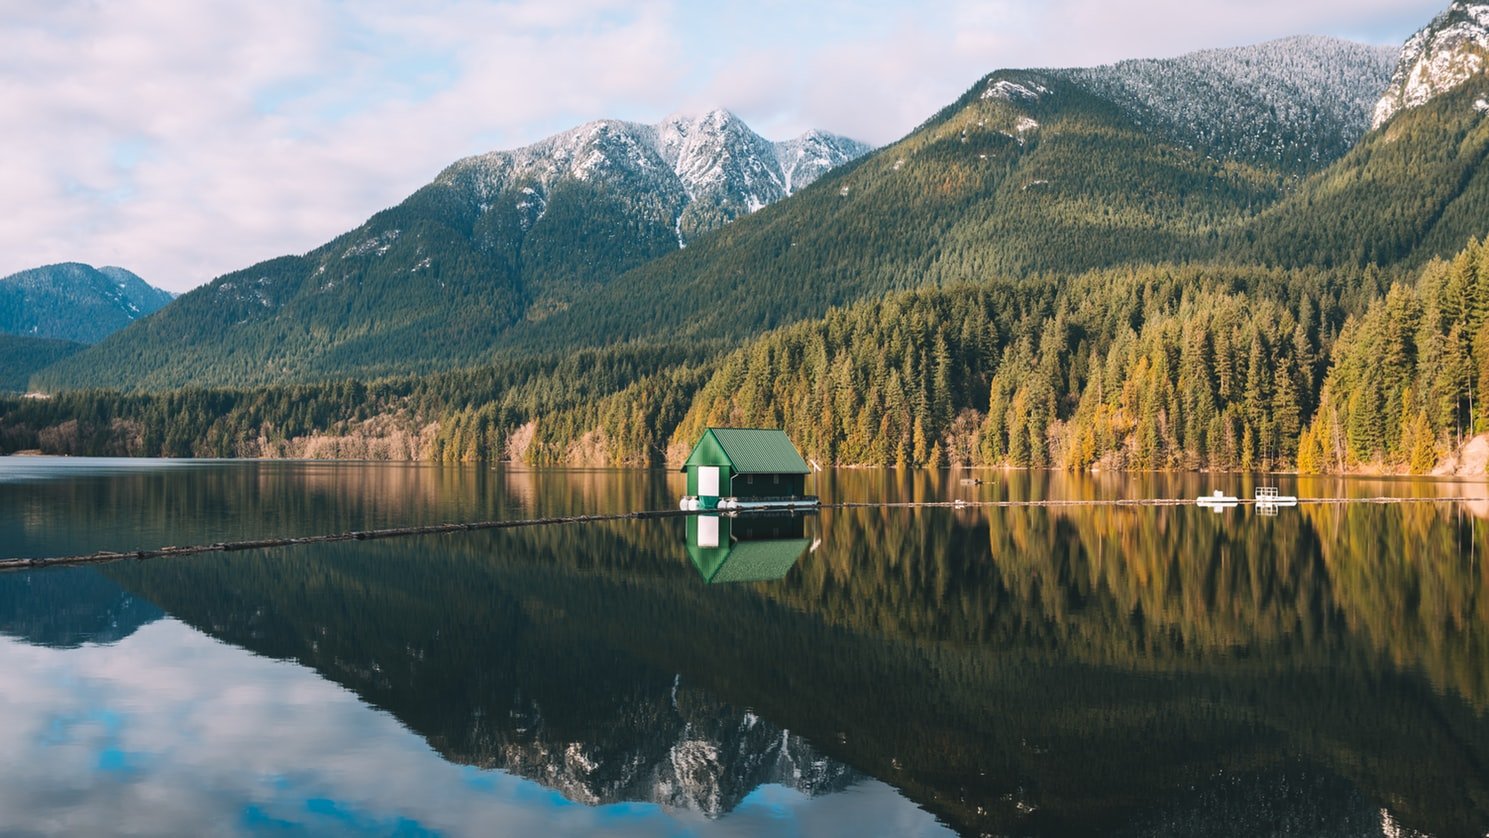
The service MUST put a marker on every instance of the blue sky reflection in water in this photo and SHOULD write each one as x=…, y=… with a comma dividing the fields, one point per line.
x=172, y=732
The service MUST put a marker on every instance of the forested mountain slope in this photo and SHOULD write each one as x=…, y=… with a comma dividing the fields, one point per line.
x=1030, y=172
x=494, y=239
x=21, y=356
x=1413, y=189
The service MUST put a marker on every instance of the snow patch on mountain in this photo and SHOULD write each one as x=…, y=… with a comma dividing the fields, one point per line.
x=379, y=244
x=1449, y=51
x=814, y=154
x=1301, y=101
x=1010, y=90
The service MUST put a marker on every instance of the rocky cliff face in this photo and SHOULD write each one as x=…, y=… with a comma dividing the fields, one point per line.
x=1450, y=50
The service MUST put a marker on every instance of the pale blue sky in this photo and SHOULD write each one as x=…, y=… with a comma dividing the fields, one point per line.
x=185, y=138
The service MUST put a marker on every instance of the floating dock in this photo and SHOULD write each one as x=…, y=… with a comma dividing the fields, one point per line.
x=1218, y=501
x=693, y=503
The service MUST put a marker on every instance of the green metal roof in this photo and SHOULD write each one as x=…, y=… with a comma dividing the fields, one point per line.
x=755, y=451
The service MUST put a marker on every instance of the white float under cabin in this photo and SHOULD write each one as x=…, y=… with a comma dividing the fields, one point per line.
x=746, y=468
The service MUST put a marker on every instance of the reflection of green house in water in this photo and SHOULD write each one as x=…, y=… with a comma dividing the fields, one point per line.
x=753, y=548
x=738, y=468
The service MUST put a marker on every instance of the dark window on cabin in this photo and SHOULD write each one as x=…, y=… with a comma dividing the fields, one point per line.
x=749, y=479
x=777, y=478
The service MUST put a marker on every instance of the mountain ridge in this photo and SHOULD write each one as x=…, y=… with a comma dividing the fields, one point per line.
x=493, y=240
x=1030, y=172
x=723, y=168
x=1311, y=86
x=1049, y=270
x=75, y=302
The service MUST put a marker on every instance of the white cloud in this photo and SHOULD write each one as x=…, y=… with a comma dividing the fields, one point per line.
x=185, y=139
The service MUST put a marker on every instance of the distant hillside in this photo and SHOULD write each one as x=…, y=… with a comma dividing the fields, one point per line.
x=494, y=240
x=75, y=302
x=1063, y=267
x=579, y=240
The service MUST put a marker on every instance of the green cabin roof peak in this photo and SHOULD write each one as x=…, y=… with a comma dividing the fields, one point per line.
x=751, y=451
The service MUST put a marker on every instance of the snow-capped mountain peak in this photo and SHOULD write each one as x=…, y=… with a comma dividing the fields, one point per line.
x=1450, y=50
x=813, y=155
x=702, y=170
x=717, y=156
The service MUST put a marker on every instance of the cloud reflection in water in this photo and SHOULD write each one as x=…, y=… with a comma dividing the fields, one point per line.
x=171, y=732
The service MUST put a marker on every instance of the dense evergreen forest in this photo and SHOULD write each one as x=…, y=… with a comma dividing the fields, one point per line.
x=21, y=356
x=1211, y=367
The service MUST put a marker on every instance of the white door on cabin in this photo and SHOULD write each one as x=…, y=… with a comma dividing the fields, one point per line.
x=708, y=531
x=708, y=481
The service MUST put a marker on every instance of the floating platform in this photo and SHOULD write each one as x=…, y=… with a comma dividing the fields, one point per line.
x=693, y=503
x=1218, y=500
x=1267, y=500
x=1268, y=496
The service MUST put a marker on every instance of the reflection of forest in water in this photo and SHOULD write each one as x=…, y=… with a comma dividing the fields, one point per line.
x=1013, y=670
x=206, y=502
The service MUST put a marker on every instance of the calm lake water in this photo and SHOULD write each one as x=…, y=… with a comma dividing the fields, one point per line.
x=1072, y=671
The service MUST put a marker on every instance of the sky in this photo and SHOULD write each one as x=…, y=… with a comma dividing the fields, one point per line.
x=183, y=139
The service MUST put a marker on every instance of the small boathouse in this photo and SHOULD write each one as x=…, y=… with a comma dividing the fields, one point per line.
x=745, y=467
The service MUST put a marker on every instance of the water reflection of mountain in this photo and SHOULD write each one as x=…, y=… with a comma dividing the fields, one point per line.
x=1014, y=671
x=492, y=662
x=67, y=608
x=691, y=752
